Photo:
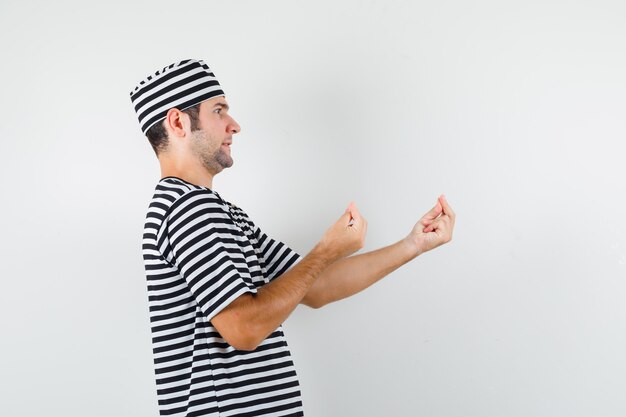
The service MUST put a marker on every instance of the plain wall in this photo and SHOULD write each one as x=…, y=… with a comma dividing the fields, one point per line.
x=514, y=110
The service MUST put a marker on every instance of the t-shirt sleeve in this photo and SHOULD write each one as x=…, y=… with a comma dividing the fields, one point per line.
x=277, y=256
x=204, y=247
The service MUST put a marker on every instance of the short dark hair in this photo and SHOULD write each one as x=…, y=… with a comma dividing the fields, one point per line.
x=157, y=134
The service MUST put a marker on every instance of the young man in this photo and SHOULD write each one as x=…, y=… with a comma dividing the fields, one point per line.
x=218, y=287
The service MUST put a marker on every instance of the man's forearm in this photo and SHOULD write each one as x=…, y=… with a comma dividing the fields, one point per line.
x=249, y=319
x=351, y=275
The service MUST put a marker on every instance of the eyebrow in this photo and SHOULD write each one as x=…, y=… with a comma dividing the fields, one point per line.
x=223, y=105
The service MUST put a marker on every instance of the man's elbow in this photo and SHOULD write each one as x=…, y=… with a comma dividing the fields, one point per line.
x=245, y=345
x=312, y=301
x=320, y=301
x=313, y=305
x=246, y=338
x=237, y=327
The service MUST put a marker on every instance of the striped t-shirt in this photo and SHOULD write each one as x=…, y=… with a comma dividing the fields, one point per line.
x=200, y=253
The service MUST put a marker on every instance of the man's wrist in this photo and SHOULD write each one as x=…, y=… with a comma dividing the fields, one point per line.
x=412, y=248
x=324, y=253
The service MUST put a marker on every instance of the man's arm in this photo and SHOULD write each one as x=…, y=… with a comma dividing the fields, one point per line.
x=251, y=318
x=349, y=276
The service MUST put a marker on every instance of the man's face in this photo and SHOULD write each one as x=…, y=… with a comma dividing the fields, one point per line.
x=211, y=144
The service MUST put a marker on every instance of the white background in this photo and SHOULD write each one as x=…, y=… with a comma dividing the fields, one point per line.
x=515, y=110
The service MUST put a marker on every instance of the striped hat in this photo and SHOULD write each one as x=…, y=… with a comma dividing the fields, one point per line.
x=182, y=85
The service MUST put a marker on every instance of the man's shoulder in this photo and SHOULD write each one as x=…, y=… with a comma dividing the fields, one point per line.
x=174, y=189
x=173, y=195
x=179, y=186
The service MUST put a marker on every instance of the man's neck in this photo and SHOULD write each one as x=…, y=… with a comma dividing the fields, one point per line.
x=193, y=173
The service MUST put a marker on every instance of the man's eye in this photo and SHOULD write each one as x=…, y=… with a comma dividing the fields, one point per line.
x=217, y=110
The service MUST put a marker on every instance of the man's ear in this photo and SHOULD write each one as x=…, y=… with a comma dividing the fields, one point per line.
x=177, y=123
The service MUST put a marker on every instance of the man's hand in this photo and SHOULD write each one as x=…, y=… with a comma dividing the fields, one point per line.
x=346, y=236
x=434, y=228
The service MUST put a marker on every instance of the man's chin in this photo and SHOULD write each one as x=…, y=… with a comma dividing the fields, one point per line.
x=226, y=163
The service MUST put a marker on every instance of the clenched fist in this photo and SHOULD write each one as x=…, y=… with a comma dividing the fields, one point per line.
x=434, y=228
x=347, y=235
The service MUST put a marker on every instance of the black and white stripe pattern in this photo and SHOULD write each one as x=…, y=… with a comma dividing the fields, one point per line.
x=181, y=84
x=200, y=253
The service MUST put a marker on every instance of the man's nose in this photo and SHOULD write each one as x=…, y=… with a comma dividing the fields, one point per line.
x=233, y=126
